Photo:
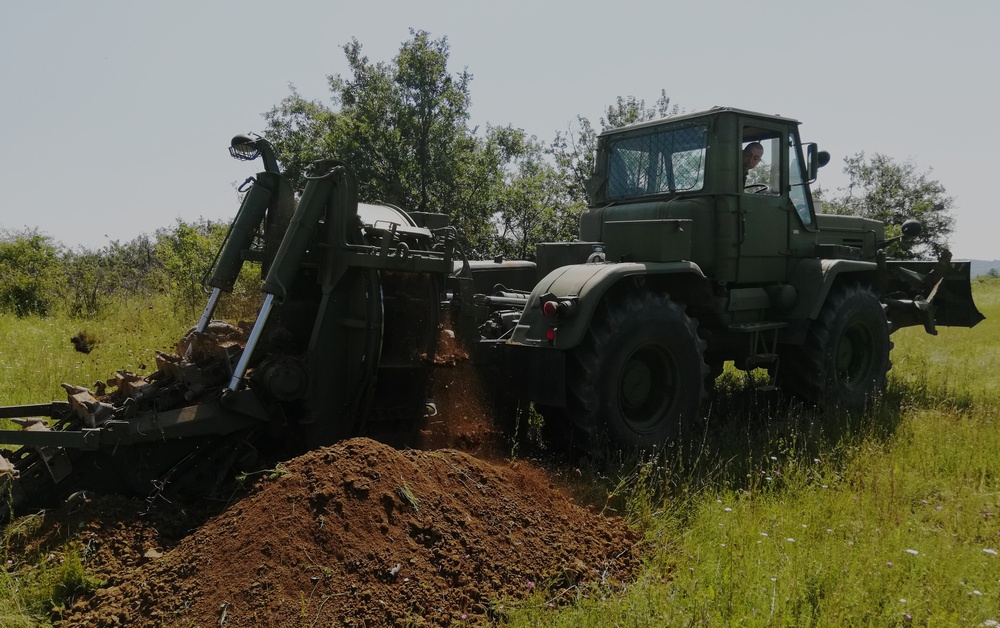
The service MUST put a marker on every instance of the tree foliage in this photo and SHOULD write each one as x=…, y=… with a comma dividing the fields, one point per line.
x=403, y=128
x=890, y=191
x=187, y=252
x=31, y=277
x=573, y=151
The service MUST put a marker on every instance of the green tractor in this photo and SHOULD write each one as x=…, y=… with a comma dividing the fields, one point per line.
x=681, y=265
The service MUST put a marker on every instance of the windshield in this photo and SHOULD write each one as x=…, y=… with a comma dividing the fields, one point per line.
x=670, y=160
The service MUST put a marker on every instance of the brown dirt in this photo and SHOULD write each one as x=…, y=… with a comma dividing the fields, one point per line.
x=354, y=534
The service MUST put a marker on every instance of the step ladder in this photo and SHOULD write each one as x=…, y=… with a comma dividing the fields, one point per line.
x=763, y=337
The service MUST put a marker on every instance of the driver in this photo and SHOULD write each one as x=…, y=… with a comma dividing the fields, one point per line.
x=752, y=154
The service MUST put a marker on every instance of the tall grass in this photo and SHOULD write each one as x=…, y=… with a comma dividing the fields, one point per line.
x=784, y=516
x=36, y=354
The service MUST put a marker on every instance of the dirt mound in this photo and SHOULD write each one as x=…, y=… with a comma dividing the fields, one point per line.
x=362, y=534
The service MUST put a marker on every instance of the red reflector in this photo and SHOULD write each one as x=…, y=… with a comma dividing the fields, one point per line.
x=550, y=334
x=550, y=308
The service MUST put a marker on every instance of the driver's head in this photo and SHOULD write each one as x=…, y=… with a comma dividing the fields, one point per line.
x=752, y=154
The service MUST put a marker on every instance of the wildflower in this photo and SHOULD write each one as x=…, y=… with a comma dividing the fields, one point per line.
x=912, y=551
x=889, y=564
x=790, y=540
x=531, y=585
x=763, y=533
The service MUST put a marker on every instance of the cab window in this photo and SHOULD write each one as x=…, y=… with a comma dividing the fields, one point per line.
x=659, y=162
x=760, y=161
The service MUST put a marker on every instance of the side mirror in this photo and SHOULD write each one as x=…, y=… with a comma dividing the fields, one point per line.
x=816, y=160
x=911, y=228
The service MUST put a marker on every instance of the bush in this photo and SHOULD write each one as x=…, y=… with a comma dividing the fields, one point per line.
x=31, y=274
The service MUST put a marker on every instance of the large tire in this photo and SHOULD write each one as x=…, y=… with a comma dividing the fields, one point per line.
x=845, y=357
x=638, y=376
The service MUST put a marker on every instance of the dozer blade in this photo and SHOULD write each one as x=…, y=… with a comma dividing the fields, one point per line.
x=945, y=284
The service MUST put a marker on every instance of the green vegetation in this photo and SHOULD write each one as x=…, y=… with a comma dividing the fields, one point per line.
x=39, y=277
x=780, y=516
x=803, y=520
x=36, y=355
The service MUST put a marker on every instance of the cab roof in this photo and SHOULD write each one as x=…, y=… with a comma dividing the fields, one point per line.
x=709, y=113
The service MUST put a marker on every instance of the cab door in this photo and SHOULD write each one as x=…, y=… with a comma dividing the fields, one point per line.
x=765, y=208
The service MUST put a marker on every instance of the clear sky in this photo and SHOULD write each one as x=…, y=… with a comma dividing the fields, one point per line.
x=118, y=114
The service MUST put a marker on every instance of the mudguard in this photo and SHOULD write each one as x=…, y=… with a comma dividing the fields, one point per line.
x=813, y=278
x=583, y=285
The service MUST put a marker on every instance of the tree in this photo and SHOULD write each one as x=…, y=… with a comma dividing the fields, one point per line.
x=31, y=278
x=403, y=128
x=187, y=251
x=574, y=150
x=536, y=207
x=116, y=271
x=889, y=191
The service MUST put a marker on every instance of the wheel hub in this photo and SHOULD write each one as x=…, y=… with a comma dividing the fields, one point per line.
x=853, y=357
x=647, y=387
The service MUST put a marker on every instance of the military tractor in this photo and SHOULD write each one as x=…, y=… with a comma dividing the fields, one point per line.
x=680, y=266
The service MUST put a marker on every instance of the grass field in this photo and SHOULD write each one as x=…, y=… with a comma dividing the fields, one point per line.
x=893, y=519
x=781, y=516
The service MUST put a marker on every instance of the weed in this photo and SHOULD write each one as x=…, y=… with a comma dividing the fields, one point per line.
x=406, y=494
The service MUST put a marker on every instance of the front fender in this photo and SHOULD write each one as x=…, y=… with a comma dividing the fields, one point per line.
x=813, y=278
x=587, y=284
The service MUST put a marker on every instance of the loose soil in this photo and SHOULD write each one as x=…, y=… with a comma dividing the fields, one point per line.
x=354, y=534
x=357, y=534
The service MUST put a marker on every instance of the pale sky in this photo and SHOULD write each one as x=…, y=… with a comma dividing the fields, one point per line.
x=119, y=113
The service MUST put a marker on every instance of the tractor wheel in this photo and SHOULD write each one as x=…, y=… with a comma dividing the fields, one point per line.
x=845, y=357
x=639, y=373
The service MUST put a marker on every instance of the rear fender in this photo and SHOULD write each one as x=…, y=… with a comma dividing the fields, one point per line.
x=584, y=285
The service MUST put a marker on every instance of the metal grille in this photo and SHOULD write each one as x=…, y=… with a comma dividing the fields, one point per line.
x=670, y=160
